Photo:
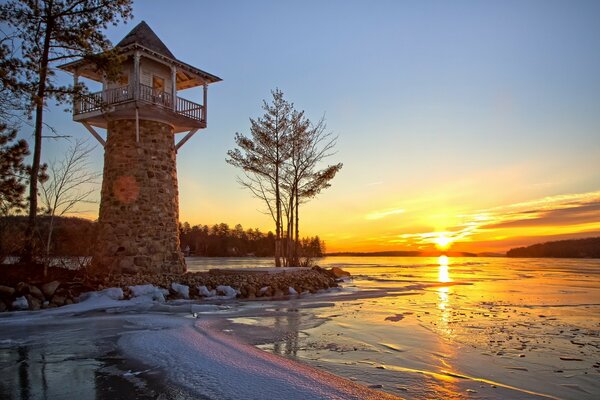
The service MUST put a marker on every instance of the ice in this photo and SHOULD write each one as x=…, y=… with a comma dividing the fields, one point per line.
x=20, y=303
x=182, y=290
x=149, y=292
x=204, y=292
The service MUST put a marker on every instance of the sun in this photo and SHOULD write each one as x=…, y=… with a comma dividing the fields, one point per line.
x=442, y=241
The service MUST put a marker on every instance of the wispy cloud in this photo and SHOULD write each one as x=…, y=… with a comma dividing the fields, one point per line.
x=558, y=214
x=384, y=213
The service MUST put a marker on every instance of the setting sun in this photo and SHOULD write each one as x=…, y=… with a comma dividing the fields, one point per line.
x=442, y=241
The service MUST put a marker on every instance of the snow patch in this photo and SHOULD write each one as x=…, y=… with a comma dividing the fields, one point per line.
x=150, y=292
x=20, y=303
x=110, y=293
x=182, y=290
x=204, y=292
x=227, y=292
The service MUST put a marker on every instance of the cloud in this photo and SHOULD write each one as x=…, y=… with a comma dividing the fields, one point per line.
x=557, y=215
x=382, y=214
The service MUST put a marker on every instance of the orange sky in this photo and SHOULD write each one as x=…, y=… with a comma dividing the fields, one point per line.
x=476, y=123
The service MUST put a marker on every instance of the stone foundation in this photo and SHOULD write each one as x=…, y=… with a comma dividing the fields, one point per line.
x=138, y=221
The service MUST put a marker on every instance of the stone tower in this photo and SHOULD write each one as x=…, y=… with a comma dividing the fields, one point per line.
x=141, y=112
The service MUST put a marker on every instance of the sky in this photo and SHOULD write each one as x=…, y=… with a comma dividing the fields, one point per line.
x=467, y=125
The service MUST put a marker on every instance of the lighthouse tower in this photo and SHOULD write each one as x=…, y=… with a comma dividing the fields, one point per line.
x=146, y=123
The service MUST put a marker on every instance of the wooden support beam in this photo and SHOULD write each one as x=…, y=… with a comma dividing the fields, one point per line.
x=205, y=104
x=75, y=98
x=94, y=133
x=136, y=75
x=174, y=87
x=185, y=138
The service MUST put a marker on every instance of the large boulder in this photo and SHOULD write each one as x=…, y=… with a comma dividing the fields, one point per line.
x=49, y=288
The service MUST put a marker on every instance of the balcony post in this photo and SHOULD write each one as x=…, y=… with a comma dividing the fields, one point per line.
x=136, y=75
x=76, y=96
x=205, y=102
x=174, y=87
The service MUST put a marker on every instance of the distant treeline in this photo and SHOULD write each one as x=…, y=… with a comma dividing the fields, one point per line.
x=574, y=248
x=403, y=254
x=220, y=240
x=75, y=237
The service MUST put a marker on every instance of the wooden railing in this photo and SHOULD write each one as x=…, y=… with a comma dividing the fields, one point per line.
x=154, y=96
x=97, y=101
x=189, y=109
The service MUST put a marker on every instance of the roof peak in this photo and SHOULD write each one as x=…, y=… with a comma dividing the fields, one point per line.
x=143, y=35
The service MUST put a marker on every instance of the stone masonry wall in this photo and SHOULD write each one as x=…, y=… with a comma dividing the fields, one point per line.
x=138, y=222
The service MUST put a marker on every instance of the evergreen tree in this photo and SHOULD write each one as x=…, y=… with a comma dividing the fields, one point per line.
x=13, y=172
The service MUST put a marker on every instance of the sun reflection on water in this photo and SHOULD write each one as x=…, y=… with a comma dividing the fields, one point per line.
x=443, y=292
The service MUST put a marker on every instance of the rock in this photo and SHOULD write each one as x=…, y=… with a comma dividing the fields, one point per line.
x=58, y=300
x=266, y=291
x=22, y=288
x=36, y=292
x=49, y=288
x=69, y=301
x=338, y=272
x=6, y=291
x=3, y=306
x=292, y=291
x=278, y=293
x=20, y=303
x=34, y=303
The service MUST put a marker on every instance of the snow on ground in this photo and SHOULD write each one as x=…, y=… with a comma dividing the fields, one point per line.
x=206, y=362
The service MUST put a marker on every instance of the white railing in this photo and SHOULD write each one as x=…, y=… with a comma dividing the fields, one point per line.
x=98, y=101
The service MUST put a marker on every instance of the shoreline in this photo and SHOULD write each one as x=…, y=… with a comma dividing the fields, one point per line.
x=21, y=289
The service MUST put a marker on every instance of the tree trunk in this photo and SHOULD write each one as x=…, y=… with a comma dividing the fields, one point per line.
x=37, y=149
x=48, y=243
x=277, y=215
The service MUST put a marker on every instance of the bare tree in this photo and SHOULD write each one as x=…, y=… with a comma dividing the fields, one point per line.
x=262, y=156
x=70, y=183
x=50, y=32
x=280, y=161
x=310, y=145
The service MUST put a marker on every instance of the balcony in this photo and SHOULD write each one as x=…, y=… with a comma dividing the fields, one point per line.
x=150, y=104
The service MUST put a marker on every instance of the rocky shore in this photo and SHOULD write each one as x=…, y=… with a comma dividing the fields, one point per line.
x=26, y=288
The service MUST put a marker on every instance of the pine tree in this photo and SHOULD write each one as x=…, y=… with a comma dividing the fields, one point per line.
x=13, y=172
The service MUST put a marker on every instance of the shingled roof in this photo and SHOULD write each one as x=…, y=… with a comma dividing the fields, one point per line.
x=144, y=36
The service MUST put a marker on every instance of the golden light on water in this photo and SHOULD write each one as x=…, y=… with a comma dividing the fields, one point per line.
x=443, y=291
x=443, y=273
